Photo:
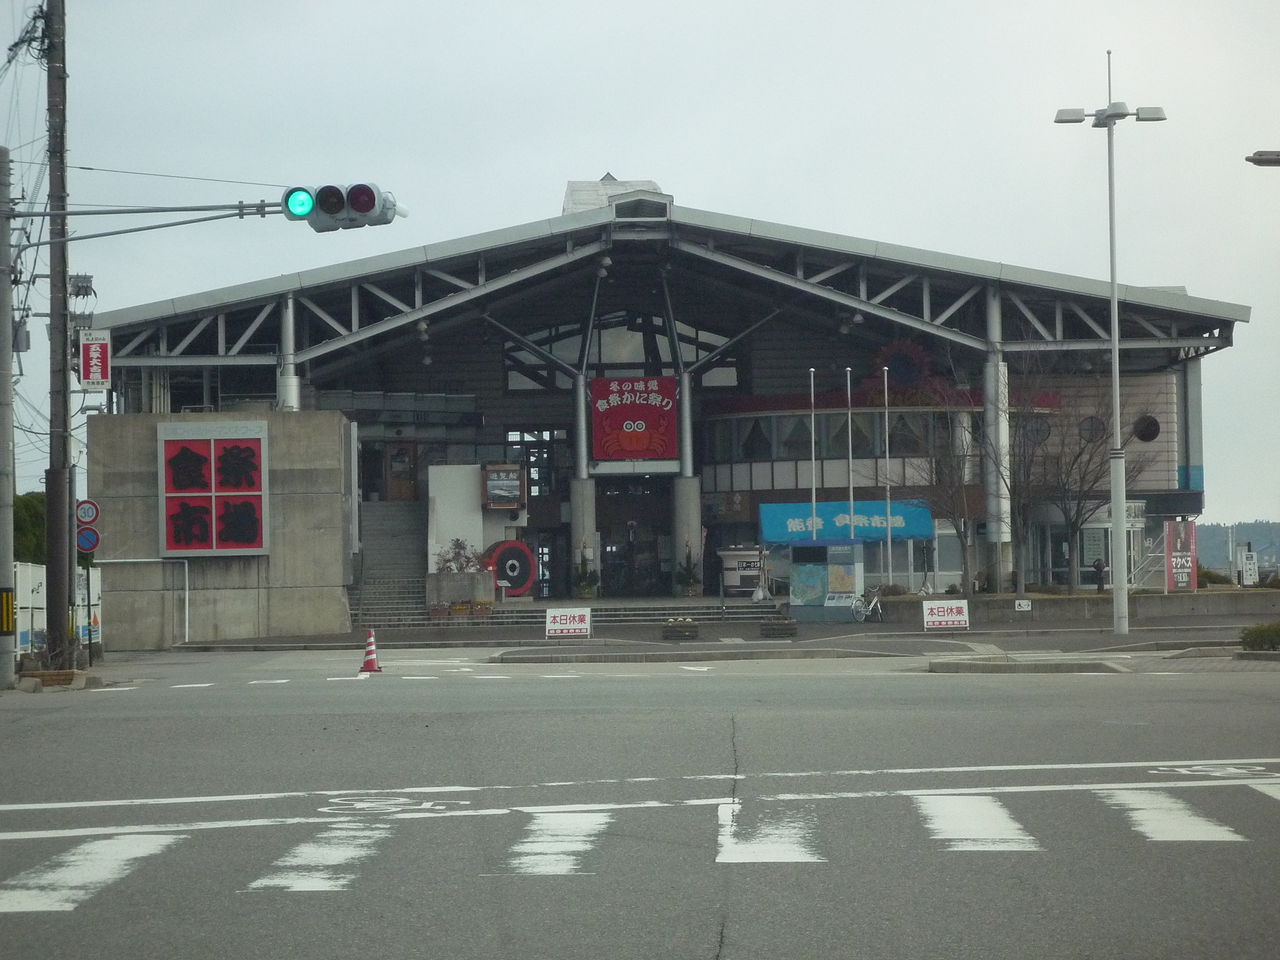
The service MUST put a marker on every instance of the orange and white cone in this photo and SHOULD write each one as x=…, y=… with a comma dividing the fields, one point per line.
x=370, y=656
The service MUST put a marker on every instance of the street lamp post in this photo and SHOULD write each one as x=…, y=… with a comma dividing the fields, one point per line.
x=1107, y=117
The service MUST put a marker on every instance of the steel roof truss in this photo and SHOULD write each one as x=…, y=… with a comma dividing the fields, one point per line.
x=829, y=293
x=1031, y=317
x=195, y=332
x=324, y=314
x=451, y=301
x=253, y=328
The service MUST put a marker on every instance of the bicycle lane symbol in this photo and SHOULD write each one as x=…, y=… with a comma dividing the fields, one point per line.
x=387, y=804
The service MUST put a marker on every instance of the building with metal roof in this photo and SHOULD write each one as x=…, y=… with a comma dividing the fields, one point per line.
x=753, y=363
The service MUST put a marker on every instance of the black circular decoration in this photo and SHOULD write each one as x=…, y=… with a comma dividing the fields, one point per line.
x=1146, y=428
x=512, y=561
x=1092, y=429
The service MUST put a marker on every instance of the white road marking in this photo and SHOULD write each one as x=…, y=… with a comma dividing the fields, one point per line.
x=490, y=676
x=973, y=822
x=419, y=678
x=110, y=689
x=1270, y=789
x=185, y=686
x=325, y=863
x=64, y=881
x=1158, y=816
x=700, y=669
x=251, y=682
x=560, y=676
x=1262, y=780
x=121, y=830
x=775, y=839
x=555, y=843
x=358, y=676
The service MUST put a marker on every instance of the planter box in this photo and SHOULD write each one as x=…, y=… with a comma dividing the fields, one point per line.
x=450, y=588
x=777, y=629
x=679, y=631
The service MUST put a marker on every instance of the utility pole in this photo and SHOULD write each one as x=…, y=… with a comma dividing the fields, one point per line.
x=58, y=643
x=8, y=603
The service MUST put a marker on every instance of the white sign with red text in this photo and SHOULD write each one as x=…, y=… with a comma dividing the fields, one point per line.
x=569, y=622
x=95, y=360
x=946, y=614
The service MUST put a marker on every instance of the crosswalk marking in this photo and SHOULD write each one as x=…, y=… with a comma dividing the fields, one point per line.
x=65, y=881
x=1270, y=789
x=555, y=843
x=973, y=822
x=325, y=862
x=1159, y=816
x=774, y=839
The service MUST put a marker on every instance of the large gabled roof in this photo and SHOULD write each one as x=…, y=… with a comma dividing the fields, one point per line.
x=761, y=231
x=822, y=277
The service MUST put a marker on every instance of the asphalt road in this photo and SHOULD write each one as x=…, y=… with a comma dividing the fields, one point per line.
x=273, y=805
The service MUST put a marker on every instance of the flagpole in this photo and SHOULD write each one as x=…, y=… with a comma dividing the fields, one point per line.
x=888, y=511
x=813, y=464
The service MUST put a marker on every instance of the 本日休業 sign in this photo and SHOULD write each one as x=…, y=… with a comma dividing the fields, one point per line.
x=569, y=622
x=633, y=418
x=946, y=614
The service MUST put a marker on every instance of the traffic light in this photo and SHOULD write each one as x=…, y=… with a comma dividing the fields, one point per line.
x=339, y=207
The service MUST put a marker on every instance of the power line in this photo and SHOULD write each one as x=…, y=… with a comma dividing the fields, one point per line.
x=167, y=176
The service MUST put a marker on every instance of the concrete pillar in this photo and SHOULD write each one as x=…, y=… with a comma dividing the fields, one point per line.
x=686, y=527
x=686, y=425
x=582, y=519
x=996, y=475
x=288, y=386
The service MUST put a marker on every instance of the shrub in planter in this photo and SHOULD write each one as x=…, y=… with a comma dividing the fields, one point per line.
x=1261, y=636
x=1206, y=577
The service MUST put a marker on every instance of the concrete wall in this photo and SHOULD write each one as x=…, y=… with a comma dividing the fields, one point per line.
x=298, y=589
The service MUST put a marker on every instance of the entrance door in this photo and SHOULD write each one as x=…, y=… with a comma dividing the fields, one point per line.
x=634, y=518
x=401, y=471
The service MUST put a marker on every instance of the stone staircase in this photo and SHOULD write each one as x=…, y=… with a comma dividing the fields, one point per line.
x=603, y=612
x=392, y=589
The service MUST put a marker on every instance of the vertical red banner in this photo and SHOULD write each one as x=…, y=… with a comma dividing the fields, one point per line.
x=1180, y=560
x=634, y=418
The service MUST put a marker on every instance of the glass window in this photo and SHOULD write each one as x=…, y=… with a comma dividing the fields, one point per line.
x=793, y=438
x=754, y=441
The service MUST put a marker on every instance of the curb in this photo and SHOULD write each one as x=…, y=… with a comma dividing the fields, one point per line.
x=671, y=656
x=1270, y=655
x=1024, y=666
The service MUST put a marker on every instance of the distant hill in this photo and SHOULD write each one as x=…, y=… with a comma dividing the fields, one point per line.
x=1212, y=541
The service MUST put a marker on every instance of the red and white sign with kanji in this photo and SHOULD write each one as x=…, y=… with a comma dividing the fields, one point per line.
x=569, y=622
x=213, y=488
x=634, y=418
x=946, y=614
x=95, y=360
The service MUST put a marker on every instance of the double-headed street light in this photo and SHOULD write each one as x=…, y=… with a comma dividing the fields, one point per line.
x=1107, y=117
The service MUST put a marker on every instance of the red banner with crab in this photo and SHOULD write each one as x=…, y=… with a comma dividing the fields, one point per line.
x=634, y=418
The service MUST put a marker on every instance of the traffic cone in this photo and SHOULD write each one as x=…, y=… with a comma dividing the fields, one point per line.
x=370, y=664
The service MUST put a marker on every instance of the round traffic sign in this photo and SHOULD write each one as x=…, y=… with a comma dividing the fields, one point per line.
x=86, y=512
x=87, y=539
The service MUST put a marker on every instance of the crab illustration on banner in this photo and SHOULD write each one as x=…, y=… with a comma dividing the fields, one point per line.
x=633, y=418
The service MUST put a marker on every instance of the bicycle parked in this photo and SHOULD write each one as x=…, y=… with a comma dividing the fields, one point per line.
x=868, y=605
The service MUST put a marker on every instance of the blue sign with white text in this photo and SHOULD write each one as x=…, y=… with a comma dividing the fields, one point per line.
x=783, y=522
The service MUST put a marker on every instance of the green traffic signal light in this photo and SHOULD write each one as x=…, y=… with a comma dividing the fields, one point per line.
x=299, y=202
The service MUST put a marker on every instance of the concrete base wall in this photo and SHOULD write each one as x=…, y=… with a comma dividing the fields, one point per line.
x=298, y=589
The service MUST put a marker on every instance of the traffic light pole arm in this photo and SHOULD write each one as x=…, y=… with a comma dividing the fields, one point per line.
x=24, y=247
x=259, y=209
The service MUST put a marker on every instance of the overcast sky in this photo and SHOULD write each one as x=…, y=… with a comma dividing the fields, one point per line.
x=919, y=122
